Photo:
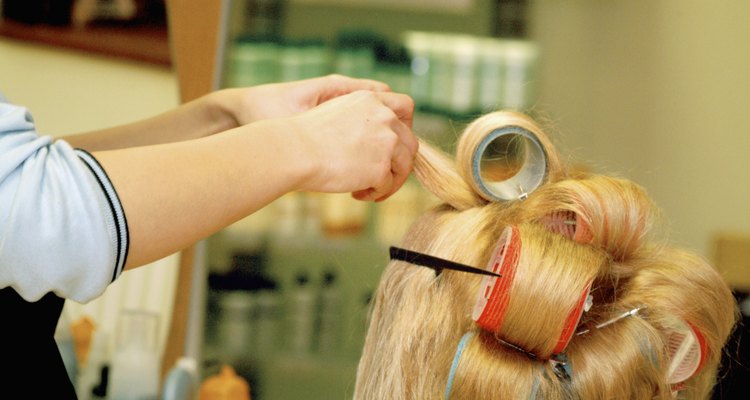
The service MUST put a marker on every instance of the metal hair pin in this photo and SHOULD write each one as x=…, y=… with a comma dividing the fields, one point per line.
x=522, y=193
x=615, y=319
x=517, y=348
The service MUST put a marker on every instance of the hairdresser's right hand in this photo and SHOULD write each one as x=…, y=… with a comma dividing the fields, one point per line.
x=361, y=142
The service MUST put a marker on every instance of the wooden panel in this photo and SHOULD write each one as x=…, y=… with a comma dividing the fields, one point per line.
x=194, y=30
x=140, y=43
x=732, y=259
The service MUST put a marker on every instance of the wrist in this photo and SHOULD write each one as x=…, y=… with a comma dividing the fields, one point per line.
x=304, y=151
x=293, y=151
x=226, y=105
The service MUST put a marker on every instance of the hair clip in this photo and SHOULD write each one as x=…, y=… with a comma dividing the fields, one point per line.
x=561, y=366
x=437, y=264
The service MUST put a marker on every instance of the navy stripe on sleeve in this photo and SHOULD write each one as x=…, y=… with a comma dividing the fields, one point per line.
x=118, y=214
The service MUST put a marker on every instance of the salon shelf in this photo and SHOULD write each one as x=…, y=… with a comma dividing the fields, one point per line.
x=138, y=43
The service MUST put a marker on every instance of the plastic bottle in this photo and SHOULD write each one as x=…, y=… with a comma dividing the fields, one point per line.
x=235, y=326
x=83, y=333
x=492, y=73
x=329, y=315
x=301, y=316
x=355, y=53
x=268, y=303
x=520, y=74
x=341, y=216
x=420, y=45
x=464, y=72
x=134, y=372
x=181, y=382
x=288, y=216
x=359, y=331
x=253, y=60
x=93, y=377
x=226, y=385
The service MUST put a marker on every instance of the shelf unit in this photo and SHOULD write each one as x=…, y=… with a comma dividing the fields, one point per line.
x=143, y=43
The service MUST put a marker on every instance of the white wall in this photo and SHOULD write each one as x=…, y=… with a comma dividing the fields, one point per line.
x=655, y=91
x=68, y=92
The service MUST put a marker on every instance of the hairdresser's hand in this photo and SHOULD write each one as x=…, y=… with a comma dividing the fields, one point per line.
x=360, y=142
x=278, y=100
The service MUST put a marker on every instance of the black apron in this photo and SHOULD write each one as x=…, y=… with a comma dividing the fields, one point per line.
x=32, y=364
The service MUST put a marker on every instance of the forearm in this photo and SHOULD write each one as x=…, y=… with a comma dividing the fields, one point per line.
x=176, y=194
x=222, y=110
x=199, y=118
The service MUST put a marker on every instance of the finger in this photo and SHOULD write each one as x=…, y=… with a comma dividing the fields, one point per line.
x=401, y=104
x=401, y=166
x=367, y=84
x=363, y=195
x=332, y=86
x=381, y=189
x=406, y=137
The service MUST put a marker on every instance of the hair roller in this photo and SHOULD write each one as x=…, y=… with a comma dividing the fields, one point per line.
x=687, y=351
x=504, y=156
x=534, y=260
x=629, y=352
x=694, y=320
x=568, y=224
x=617, y=213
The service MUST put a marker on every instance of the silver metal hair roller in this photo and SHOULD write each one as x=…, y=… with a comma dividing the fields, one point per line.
x=508, y=164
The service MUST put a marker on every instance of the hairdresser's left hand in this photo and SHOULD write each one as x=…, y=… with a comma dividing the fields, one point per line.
x=278, y=100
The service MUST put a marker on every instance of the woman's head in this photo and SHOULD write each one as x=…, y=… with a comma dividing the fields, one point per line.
x=582, y=309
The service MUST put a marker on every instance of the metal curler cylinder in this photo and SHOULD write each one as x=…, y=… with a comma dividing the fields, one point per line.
x=508, y=164
x=504, y=156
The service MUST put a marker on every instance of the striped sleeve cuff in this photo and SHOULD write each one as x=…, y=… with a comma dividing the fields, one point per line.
x=118, y=224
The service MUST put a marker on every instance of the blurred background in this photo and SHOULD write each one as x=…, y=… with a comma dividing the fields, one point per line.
x=651, y=91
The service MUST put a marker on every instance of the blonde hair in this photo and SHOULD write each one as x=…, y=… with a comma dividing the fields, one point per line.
x=419, y=317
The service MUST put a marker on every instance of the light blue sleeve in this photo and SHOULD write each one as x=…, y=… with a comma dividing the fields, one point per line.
x=62, y=227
